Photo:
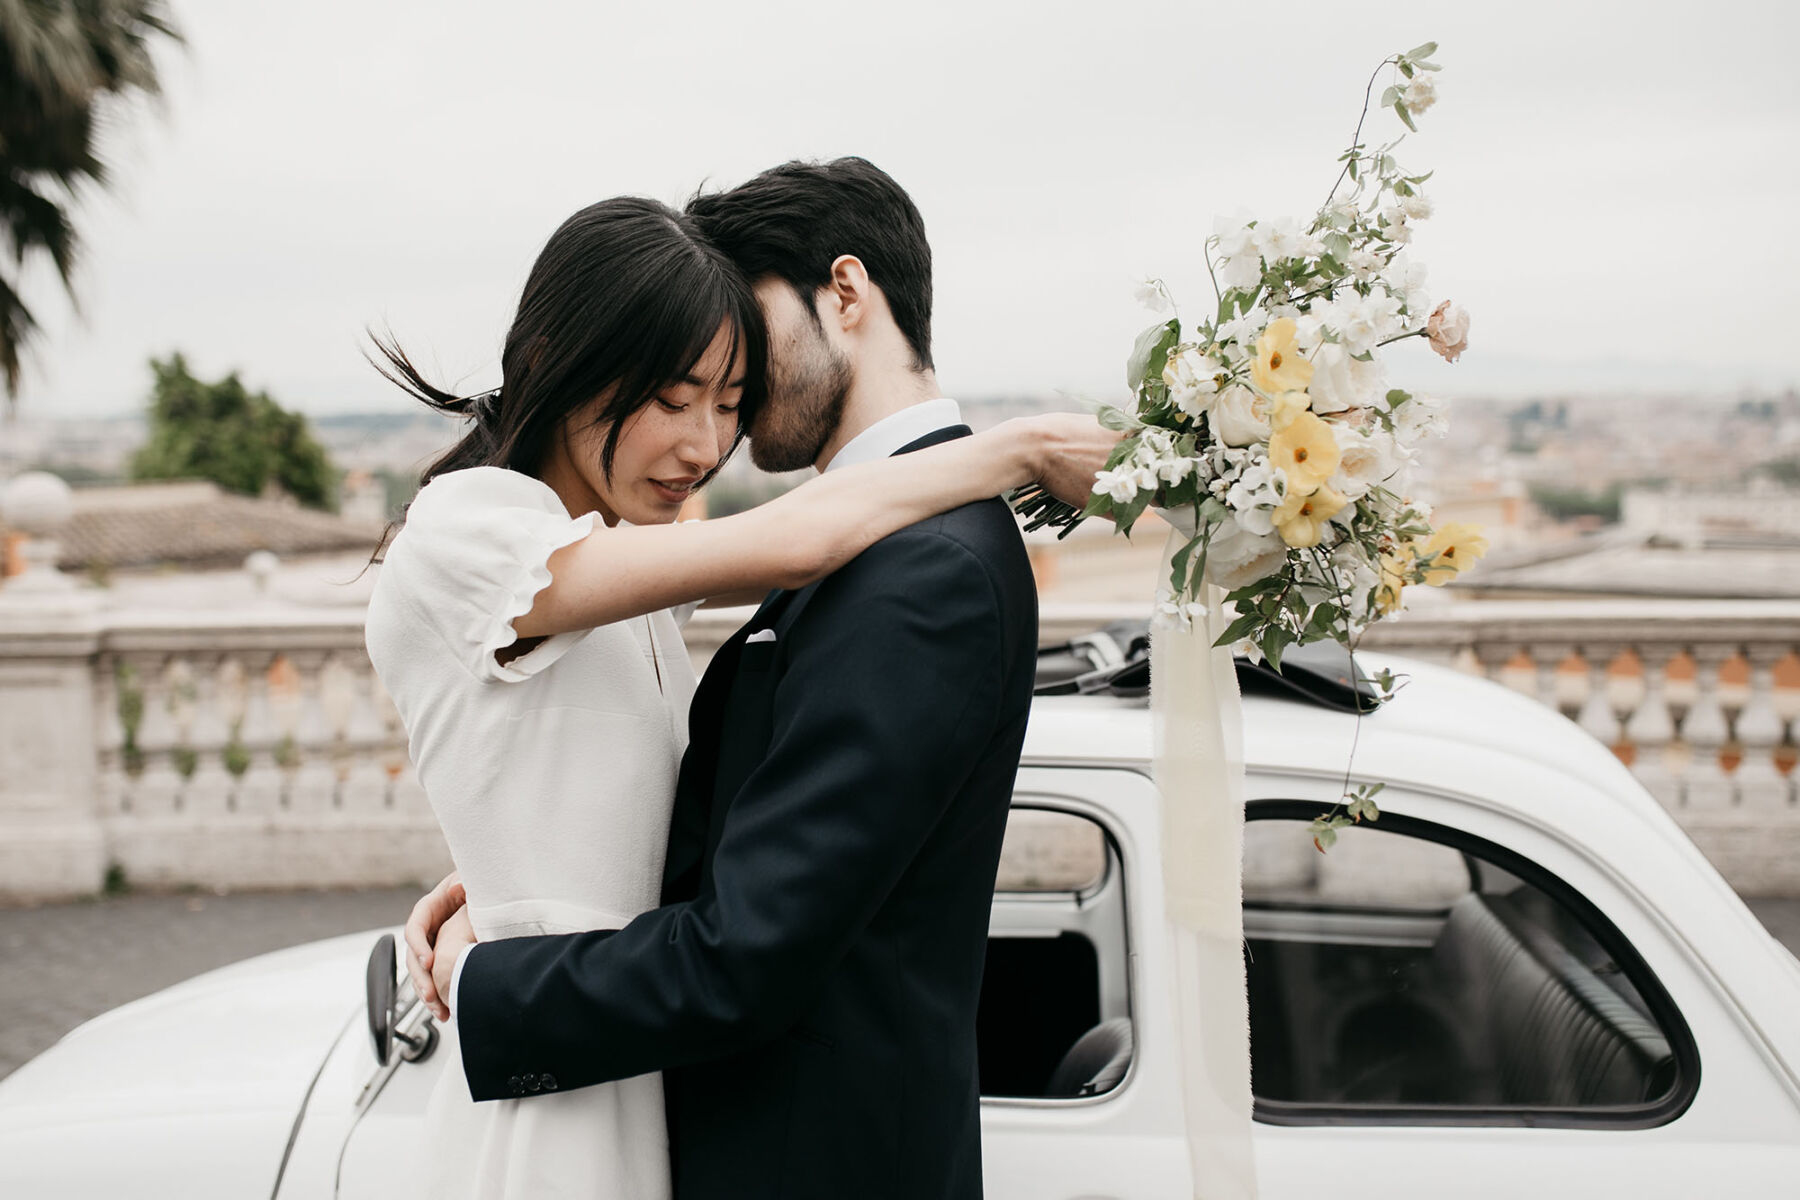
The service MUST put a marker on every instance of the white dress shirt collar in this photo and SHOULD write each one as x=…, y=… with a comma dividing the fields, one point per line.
x=899, y=429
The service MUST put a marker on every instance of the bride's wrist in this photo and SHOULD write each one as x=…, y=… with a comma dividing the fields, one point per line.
x=1031, y=447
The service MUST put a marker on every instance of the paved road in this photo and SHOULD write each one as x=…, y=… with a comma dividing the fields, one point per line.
x=61, y=964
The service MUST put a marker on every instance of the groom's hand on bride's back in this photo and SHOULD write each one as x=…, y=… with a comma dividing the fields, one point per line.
x=428, y=916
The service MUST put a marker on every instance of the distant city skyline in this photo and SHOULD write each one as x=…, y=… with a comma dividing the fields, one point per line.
x=1607, y=196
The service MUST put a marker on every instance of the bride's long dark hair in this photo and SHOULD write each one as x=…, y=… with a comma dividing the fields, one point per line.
x=625, y=298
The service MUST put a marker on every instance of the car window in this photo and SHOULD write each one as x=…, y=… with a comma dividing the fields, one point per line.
x=1413, y=972
x=1055, y=1015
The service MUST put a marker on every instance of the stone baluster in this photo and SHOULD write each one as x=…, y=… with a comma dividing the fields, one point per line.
x=158, y=788
x=1651, y=728
x=260, y=735
x=1597, y=715
x=313, y=786
x=211, y=788
x=1705, y=730
x=1492, y=658
x=1546, y=660
x=1760, y=783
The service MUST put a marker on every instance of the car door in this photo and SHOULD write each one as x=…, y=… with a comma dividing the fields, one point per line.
x=1462, y=1001
x=1079, y=1097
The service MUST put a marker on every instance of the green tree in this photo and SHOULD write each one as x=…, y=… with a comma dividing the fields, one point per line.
x=61, y=63
x=239, y=439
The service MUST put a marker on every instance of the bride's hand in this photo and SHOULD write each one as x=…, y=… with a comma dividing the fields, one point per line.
x=428, y=916
x=1075, y=448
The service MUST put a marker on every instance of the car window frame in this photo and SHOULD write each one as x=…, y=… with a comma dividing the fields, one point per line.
x=1637, y=969
x=1119, y=867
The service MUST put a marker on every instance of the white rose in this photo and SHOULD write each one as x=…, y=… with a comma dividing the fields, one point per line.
x=1340, y=382
x=1236, y=420
x=1420, y=94
x=1236, y=556
x=1416, y=206
x=1364, y=460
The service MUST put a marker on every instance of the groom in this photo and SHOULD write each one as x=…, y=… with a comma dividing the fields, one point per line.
x=809, y=985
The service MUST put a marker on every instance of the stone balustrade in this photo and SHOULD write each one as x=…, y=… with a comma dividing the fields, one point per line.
x=257, y=748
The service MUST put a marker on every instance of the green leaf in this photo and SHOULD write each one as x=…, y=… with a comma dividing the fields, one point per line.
x=1389, y=96
x=1405, y=116
x=1118, y=420
x=1397, y=396
x=1238, y=630
x=1151, y=352
x=1424, y=50
x=1099, y=505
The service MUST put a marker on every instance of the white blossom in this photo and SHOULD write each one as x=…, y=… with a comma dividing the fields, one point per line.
x=1393, y=224
x=1191, y=379
x=1243, y=330
x=1120, y=486
x=1240, y=263
x=1405, y=278
x=1419, y=418
x=1363, y=263
x=1364, y=321
x=1255, y=495
x=1177, y=614
x=1284, y=237
x=1151, y=295
x=1420, y=94
x=1416, y=206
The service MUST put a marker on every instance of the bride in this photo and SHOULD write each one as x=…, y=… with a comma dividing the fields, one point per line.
x=527, y=621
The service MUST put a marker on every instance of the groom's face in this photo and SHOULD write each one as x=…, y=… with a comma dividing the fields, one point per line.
x=809, y=382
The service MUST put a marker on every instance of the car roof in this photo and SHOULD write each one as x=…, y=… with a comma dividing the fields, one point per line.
x=1423, y=737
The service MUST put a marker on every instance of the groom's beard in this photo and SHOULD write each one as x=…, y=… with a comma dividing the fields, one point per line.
x=808, y=390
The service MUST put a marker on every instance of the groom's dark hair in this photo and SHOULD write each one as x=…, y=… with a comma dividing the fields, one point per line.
x=792, y=221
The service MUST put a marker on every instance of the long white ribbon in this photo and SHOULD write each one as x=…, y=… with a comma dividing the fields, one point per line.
x=1199, y=770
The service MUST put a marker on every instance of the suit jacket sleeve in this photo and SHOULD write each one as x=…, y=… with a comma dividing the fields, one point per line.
x=891, y=691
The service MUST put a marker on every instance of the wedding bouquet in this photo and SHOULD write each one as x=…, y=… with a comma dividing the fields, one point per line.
x=1270, y=424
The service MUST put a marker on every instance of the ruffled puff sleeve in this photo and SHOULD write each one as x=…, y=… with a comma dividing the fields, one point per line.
x=471, y=559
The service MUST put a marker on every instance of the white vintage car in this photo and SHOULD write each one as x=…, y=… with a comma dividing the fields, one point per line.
x=1524, y=981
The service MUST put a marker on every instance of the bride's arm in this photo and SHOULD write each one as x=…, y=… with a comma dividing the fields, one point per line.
x=615, y=574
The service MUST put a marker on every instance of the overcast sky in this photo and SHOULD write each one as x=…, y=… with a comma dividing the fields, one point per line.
x=1615, y=197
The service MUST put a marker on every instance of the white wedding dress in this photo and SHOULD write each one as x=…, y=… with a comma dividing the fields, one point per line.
x=553, y=777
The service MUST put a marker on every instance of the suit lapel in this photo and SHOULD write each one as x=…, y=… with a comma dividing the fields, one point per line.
x=698, y=804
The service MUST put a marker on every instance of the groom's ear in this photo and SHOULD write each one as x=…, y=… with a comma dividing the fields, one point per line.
x=849, y=294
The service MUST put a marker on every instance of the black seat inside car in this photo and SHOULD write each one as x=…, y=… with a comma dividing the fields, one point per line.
x=1543, y=1027
x=1095, y=1063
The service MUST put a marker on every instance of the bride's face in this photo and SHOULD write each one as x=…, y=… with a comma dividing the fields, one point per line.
x=668, y=447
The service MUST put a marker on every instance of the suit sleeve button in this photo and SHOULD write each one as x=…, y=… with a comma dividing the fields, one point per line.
x=516, y=1086
x=531, y=1083
x=548, y=1081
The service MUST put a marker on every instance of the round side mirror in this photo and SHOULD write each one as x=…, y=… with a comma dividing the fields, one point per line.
x=379, y=997
x=380, y=1000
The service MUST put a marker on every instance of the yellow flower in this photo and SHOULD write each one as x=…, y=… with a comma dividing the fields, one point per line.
x=1301, y=519
x=1451, y=550
x=1393, y=568
x=1307, y=450
x=1279, y=366
x=1284, y=407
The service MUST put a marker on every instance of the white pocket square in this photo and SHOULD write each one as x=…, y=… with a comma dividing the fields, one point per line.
x=761, y=635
